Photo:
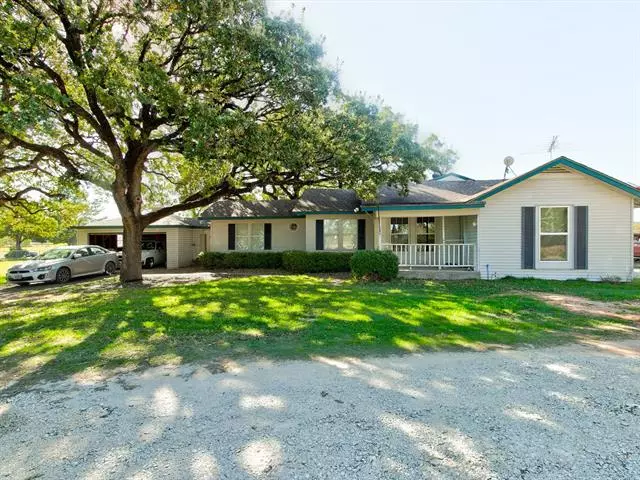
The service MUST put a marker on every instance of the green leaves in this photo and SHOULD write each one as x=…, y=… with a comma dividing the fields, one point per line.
x=172, y=104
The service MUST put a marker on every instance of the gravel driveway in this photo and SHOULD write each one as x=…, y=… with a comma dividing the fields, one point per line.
x=568, y=412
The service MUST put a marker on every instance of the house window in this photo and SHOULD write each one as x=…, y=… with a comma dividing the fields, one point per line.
x=340, y=234
x=399, y=230
x=250, y=236
x=554, y=234
x=426, y=230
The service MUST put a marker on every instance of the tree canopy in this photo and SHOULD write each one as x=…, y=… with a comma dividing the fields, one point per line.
x=46, y=219
x=170, y=105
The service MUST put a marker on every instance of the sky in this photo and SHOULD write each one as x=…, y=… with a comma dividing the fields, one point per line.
x=496, y=78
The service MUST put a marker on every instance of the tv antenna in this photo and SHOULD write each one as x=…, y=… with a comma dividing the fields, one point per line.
x=552, y=146
x=508, y=161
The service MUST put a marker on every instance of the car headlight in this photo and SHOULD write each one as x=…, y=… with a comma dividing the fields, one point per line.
x=44, y=269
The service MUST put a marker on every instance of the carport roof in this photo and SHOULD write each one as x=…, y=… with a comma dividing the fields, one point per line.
x=170, y=221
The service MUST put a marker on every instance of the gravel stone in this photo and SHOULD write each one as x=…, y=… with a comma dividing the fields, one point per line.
x=555, y=413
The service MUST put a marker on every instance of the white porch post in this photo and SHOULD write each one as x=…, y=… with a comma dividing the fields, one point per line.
x=379, y=229
x=444, y=241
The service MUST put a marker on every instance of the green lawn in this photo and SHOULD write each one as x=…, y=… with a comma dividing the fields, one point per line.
x=56, y=331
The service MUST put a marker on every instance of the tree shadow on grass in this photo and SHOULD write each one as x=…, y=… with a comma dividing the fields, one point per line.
x=270, y=317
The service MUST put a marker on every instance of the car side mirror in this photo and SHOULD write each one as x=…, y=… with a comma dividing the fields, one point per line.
x=75, y=256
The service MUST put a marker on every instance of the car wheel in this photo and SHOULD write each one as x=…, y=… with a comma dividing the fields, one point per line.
x=110, y=268
x=63, y=275
x=150, y=262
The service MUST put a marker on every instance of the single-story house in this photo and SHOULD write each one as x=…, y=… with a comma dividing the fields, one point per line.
x=182, y=238
x=561, y=220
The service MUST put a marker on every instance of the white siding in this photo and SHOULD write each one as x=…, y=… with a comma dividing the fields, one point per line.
x=282, y=237
x=173, y=248
x=609, y=227
x=82, y=237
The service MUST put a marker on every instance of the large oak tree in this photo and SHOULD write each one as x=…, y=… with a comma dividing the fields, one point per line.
x=173, y=104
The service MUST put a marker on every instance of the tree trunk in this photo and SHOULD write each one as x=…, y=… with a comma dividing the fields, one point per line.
x=131, y=268
x=18, y=242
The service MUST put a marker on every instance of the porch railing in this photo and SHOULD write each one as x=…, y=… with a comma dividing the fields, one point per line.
x=450, y=255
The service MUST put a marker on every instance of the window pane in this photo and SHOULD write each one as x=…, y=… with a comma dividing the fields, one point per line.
x=331, y=227
x=553, y=248
x=331, y=242
x=331, y=235
x=425, y=225
x=429, y=238
x=349, y=234
x=257, y=236
x=242, y=229
x=242, y=243
x=402, y=238
x=554, y=220
x=399, y=230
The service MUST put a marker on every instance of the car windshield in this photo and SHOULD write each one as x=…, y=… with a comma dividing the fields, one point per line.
x=148, y=245
x=57, y=253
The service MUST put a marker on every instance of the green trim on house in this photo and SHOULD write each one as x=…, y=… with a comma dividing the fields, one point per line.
x=332, y=213
x=423, y=206
x=266, y=217
x=567, y=162
x=120, y=227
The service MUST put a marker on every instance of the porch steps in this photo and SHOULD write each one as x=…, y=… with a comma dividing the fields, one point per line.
x=435, y=274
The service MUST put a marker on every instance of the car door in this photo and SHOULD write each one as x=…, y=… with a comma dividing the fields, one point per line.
x=81, y=264
x=97, y=259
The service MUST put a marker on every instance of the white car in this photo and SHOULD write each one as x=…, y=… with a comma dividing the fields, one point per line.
x=153, y=253
x=64, y=263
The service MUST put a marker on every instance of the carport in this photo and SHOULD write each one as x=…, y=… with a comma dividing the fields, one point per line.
x=183, y=238
x=113, y=241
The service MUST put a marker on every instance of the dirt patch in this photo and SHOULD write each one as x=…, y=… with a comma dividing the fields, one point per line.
x=621, y=310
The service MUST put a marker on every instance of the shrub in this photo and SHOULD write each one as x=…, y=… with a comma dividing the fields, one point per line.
x=374, y=265
x=240, y=260
x=314, y=262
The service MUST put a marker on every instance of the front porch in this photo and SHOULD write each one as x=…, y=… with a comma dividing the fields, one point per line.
x=429, y=242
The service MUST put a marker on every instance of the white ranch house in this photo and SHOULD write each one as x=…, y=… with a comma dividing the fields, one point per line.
x=562, y=220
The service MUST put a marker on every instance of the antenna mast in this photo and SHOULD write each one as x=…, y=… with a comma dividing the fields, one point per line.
x=552, y=146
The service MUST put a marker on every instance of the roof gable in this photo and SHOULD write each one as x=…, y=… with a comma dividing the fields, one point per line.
x=554, y=165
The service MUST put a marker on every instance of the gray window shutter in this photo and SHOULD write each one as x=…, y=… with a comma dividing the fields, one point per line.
x=528, y=238
x=267, y=236
x=581, y=234
x=231, y=238
x=362, y=238
x=319, y=234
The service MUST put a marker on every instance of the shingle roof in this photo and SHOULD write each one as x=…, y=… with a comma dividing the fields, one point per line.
x=312, y=200
x=326, y=200
x=170, y=221
x=434, y=191
x=244, y=208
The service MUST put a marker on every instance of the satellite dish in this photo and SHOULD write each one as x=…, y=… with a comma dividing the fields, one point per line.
x=508, y=161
